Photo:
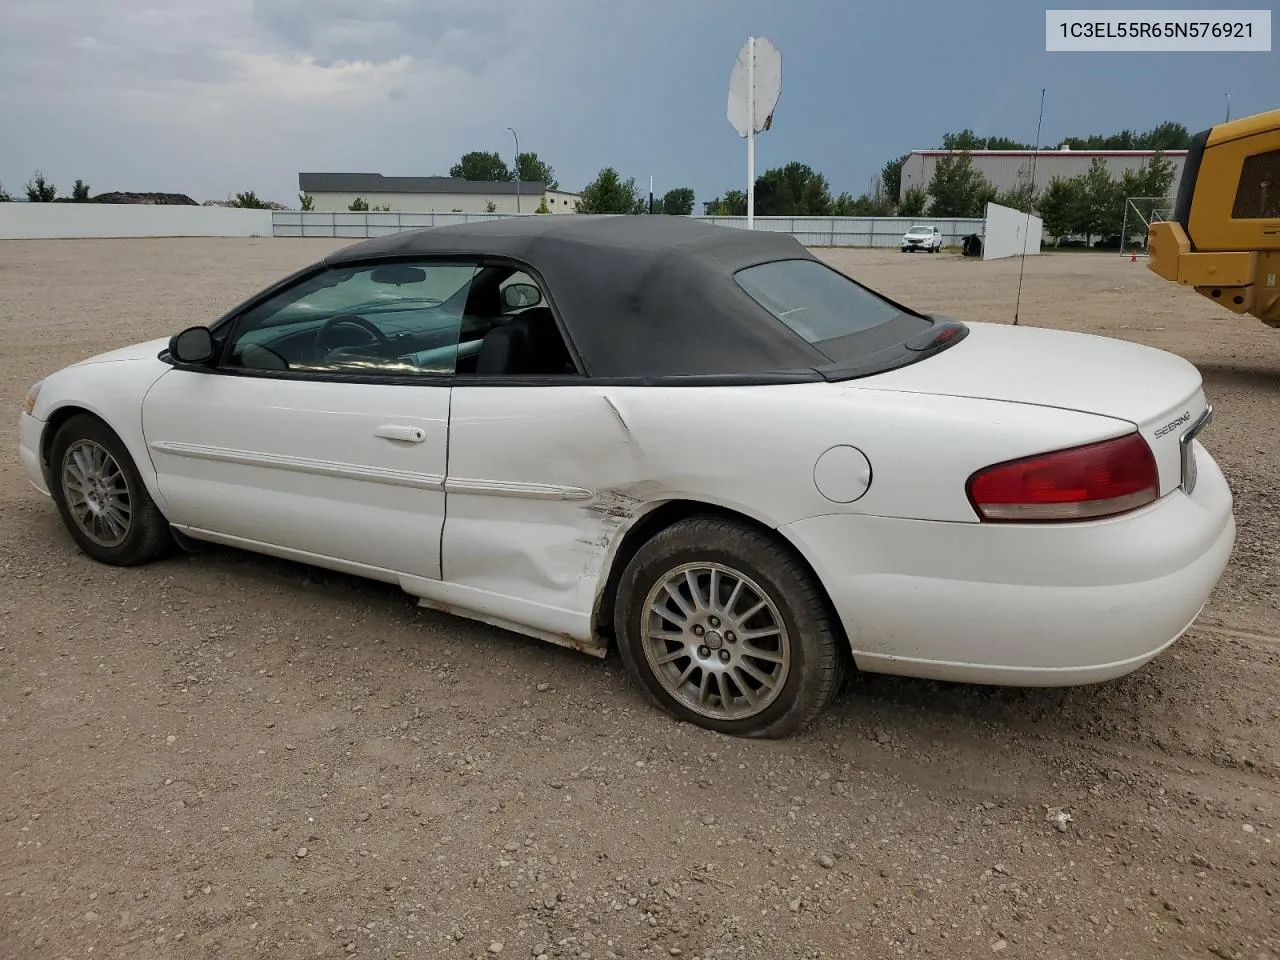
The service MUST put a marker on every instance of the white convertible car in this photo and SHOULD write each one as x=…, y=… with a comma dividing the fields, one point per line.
x=699, y=444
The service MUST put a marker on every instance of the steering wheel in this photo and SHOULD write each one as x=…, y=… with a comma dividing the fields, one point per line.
x=351, y=320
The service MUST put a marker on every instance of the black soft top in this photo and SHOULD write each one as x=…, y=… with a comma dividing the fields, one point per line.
x=640, y=296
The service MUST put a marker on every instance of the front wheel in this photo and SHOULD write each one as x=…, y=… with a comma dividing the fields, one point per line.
x=724, y=628
x=101, y=497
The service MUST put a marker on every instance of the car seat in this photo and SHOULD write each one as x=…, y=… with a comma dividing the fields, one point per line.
x=529, y=343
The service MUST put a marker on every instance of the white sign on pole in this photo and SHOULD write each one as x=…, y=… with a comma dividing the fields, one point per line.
x=754, y=88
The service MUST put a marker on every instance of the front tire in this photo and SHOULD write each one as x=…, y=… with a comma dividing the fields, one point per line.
x=724, y=628
x=101, y=497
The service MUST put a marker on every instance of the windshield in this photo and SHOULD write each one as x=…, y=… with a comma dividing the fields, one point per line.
x=921, y=230
x=837, y=315
x=364, y=289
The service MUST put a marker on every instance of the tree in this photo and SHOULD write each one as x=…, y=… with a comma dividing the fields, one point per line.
x=1166, y=136
x=794, y=190
x=307, y=201
x=1154, y=180
x=815, y=197
x=490, y=207
x=1101, y=205
x=1022, y=197
x=80, y=192
x=732, y=204
x=1124, y=140
x=914, y=203
x=609, y=193
x=250, y=200
x=39, y=190
x=531, y=167
x=678, y=201
x=1004, y=143
x=542, y=206
x=1058, y=205
x=481, y=165
x=958, y=189
x=868, y=206
x=4, y=196
x=964, y=140
x=359, y=204
x=891, y=178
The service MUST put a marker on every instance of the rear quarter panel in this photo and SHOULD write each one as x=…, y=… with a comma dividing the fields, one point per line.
x=754, y=449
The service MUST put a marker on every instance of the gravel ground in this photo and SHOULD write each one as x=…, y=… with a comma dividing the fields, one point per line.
x=228, y=756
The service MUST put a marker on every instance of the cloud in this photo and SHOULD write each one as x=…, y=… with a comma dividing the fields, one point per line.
x=208, y=96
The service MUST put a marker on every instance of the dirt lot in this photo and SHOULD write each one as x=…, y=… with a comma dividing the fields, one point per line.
x=223, y=756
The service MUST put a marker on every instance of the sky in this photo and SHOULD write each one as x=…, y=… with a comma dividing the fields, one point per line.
x=211, y=97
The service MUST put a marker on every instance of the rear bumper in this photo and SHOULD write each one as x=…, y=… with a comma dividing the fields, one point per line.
x=1027, y=605
x=29, y=431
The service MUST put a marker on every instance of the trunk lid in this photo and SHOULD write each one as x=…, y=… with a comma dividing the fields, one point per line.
x=1159, y=392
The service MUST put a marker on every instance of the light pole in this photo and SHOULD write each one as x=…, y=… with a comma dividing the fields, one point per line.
x=517, y=139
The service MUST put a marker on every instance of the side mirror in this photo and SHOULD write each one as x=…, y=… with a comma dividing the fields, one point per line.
x=519, y=295
x=193, y=346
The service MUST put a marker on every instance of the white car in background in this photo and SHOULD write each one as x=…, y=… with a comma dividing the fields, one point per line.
x=922, y=238
x=700, y=445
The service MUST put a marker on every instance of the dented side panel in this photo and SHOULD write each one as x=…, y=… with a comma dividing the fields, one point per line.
x=532, y=501
x=544, y=481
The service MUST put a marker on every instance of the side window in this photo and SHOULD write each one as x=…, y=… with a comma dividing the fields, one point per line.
x=1258, y=193
x=510, y=329
x=397, y=319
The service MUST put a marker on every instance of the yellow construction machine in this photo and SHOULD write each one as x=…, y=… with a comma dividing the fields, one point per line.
x=1224, y=236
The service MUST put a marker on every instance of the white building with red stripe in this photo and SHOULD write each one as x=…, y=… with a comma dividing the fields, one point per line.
x=1007, y=169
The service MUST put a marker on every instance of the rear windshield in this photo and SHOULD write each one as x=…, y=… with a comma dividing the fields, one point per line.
x=839, y=317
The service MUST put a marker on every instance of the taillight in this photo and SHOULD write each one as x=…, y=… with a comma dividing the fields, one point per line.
x=1079, y=483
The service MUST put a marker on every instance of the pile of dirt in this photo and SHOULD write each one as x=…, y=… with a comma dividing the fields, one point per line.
x=154, y=199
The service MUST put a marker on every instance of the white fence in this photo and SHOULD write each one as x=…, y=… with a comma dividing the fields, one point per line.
x=857, y=231
x=43, y=221
x=296, y=223
x=811, y=231
x=70, y=220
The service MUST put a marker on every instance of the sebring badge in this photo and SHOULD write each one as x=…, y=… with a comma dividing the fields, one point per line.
x=1170, y=427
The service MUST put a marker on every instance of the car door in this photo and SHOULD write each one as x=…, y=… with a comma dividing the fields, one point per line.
x=535, y=457
x=322, y=430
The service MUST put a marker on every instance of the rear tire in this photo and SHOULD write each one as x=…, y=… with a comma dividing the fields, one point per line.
x=101, y=497
x=744, y=645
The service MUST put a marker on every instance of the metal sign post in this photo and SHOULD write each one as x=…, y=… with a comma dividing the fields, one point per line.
x=754, y=88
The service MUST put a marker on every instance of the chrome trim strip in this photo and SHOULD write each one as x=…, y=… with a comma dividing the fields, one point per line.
x=1186, y=449
x=398, y=478
x=323, y=468
x=512, y=488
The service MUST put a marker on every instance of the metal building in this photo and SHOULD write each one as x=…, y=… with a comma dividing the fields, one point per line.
x=334, y=193
x=1006, y=169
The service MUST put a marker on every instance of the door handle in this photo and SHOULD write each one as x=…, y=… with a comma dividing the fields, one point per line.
x=391, y=431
